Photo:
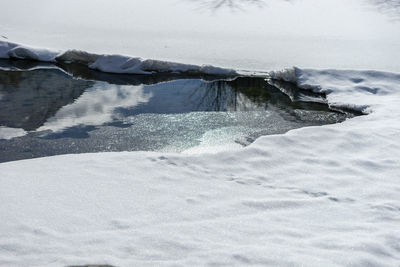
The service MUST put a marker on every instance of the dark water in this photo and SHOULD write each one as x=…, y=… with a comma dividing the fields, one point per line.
x=47, y=112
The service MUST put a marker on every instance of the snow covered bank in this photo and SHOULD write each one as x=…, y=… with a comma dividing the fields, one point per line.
x=316, y=196
x=356, y=90
x=105, y=63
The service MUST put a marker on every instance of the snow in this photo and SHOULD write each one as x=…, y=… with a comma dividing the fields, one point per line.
x=124, y=64
x=105, y=63
x=252, y=38
x=19, y=51
x=346, y=88
x=315, y=196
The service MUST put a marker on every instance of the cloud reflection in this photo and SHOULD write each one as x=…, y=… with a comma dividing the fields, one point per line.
x=9, y=133
x=96, y=106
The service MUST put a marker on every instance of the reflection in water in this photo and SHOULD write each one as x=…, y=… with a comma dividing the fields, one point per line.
x=81, y=71
x=30, y=98
x=57, y=113
x=96, y=106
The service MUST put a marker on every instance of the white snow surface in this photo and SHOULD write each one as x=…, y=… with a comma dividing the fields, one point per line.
x=105, y=63
x=257, y=35
x=315, y=196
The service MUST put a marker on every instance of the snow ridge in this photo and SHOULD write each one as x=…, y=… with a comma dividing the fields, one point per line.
x=106, y=63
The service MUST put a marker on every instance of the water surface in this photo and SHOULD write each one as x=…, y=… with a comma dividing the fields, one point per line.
x=68, y=109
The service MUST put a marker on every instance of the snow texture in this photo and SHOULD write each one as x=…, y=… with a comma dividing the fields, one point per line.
x=315, y=196
x=105, y=63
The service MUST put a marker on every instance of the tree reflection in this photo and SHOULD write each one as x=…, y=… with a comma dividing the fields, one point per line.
x=29, y=98
x=251, y=93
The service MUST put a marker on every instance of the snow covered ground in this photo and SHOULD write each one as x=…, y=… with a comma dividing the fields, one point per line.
x=351, y=34
x=316, y=196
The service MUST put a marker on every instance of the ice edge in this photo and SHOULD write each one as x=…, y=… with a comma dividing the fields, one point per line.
x=106, y=63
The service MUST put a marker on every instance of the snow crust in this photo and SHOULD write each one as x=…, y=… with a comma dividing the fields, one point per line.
x=315, y=196
x=105, y=63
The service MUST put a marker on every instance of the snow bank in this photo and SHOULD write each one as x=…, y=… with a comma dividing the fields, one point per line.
x=19, y=51
x=316, y=196
x=105, y=63
x=345, y=88
x=124, y=64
